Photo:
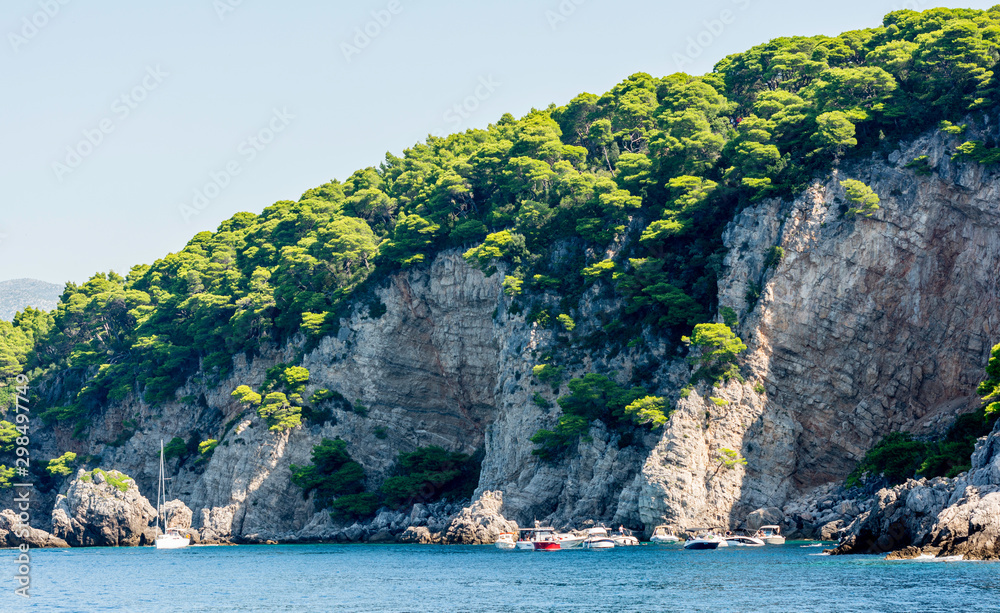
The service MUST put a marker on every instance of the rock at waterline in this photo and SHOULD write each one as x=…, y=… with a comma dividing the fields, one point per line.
x=36, y=538
x=96, y=512
x=479, y=524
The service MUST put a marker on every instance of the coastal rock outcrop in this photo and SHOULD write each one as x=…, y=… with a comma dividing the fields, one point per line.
x=176, y=514
x=479, y=524
x=13, y=533
x=103, y=509
x=941, y=517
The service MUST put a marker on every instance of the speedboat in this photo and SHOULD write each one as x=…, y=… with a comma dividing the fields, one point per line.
x=770, y=535
x=706, y=540
x=743, y=540
x=506, y=541
x=624, y=538
x=662, y=535
x=597, y=538
x=545, y=539
x=568, y=540
x=524, y=542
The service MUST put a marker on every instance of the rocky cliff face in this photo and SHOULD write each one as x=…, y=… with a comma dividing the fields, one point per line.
x=866, y=325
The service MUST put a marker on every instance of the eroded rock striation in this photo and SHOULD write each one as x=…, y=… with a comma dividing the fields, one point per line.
x=14, y=534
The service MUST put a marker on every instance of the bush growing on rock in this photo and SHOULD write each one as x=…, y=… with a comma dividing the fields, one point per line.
x=430, y=474
x=332, y=474
x=717, y=347
x=863, y=200
x=62, y=465
x=176, y=448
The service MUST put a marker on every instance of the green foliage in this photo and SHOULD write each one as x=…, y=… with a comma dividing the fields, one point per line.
x=774, y=257
x=648, y=410
x=381, y=433
x=353, y=507
x=176, y=448
x=541, y=401
x=567, y=322
x=279, y=412
x=716, y=347
x=592, y=397
x=116, y=479
x=861, y=198
x=977, y=151
x=949, y=128
x=920, y=165
x=547, y=373
x=6, y=477
x=430, y=474
x=332, y=474
x=719, y=402
x=896, y=457
x=207, y=447
x=729, y=317
x=63, y=465
x=989, y=389
x=759, y=388
x=244, y=395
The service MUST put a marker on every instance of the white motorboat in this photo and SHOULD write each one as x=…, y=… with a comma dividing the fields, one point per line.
x=172, y=539
x=568, y=540
x=597, y=538
x=770, y=535
x=706, y=540
x=743, y=540
x=624, y=537
x=505, y=541
x=662, y=535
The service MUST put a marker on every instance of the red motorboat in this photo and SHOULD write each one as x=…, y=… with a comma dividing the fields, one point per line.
x=545, y=539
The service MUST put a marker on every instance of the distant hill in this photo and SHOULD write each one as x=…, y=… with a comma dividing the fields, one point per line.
x=17, y=294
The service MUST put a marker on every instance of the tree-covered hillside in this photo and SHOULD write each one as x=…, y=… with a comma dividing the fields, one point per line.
x=630, y=189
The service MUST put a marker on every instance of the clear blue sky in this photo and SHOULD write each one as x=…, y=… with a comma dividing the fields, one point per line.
x=201, y=77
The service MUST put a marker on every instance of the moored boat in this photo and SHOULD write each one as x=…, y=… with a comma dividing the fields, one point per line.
x=663, y=535
x=706, y=540
x=770, y=535
x=624, y=537
x=506, y=541
x=743, y=540
x=171, y=539
x=568, y=540
x=597, y=538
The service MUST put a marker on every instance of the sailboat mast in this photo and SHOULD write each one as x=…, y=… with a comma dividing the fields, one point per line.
x=159, y=490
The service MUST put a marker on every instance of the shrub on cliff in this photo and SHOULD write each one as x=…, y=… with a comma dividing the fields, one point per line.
x=430, y=474
x=716, y=347
x=61, y=466
x=331, y=475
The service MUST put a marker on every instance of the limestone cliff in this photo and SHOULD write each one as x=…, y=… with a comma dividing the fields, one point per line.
x=866, y=325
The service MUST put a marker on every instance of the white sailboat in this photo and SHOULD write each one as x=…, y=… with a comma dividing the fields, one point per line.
x=173, y=539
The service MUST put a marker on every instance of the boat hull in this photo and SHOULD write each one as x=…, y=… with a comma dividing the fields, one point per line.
x=546, y=546
x=573, y=542
x=775, y=540
x=525, y=545
x=626, y=541
x=744, y=541
x=664, y=540
x=702, y=545
x=172, y=543
x=598, y=544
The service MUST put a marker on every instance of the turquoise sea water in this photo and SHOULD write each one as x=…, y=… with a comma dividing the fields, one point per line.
x=434, y=578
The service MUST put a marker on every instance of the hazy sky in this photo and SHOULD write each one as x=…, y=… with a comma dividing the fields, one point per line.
x=116, y=114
